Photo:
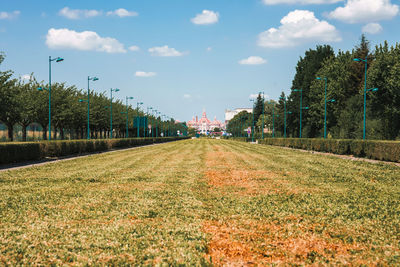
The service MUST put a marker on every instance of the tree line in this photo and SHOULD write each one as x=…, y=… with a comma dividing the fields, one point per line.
x=344, y=78
x=21, y=103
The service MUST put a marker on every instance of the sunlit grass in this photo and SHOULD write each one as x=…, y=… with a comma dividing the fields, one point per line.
x=201, y=201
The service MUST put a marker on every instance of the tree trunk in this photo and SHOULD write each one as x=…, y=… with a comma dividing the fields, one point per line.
x=24, y=132
x=62, y=133
x=10, y=129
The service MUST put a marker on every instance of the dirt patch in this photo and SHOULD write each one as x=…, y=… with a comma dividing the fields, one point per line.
x=258, y=243
x=230, y=171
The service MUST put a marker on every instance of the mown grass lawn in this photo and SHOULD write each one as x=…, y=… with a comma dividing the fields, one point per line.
x=201, y=202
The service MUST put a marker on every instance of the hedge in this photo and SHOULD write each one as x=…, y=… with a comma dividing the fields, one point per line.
x=19, y=152
x=379, y=150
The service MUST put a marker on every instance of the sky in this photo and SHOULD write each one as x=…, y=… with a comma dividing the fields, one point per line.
x=184, y=56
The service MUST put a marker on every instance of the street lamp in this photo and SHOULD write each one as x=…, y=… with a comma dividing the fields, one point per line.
x=252, y=131
x=301, y=105
x=326, y=81
x=57, y=59
x=147, y=114
x=111, y=128
x=273, y=121
x=88, y=104
x=137, y=120
x=126, y=112
x=262, y=133
x=154, y=112
x=286, y=112
x=365, y=90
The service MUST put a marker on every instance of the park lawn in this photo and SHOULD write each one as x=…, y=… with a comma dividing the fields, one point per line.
x=201, y=202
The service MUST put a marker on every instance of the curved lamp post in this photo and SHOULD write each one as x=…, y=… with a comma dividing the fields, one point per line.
x=88, y=104
x=326, y=81
x=252, y=131
x=147, y=114
x=111, y=128
x=285, y=113
x=301, y=106
x=263, y=100
x=137, y=120
x=126, y=112
x=365, y=91
x=57, y=59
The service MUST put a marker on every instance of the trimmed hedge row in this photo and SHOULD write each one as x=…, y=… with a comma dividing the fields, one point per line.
x=18, y=152
x=379, y=150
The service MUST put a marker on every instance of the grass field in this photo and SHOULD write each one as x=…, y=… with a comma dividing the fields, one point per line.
x=199, y=202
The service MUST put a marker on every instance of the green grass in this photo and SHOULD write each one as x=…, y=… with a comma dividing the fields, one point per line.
x=197, y=202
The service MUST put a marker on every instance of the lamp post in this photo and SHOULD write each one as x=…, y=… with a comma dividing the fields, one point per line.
x=137, y=120
x=57, y=59
x=147, y=114
x=111, y=128
x=326, y=81
x=127, y=132
x=263, y=100
x=155, y=117
x=286, y=112
x=301, y=106
x=273, y=121
x=252, y=131
x=88, y=105
x=365, y=90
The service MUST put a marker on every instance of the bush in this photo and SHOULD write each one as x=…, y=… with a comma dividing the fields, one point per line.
x=18, y=152
x=379, y=150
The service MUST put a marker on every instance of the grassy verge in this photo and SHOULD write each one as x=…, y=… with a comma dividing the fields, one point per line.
x=197, y=202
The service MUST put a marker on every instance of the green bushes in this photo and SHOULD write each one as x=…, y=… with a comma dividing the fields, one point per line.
x=380, y=150
x=18, y=152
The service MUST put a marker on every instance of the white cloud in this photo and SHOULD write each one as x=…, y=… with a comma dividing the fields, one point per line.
x=122, y=13
x=303, y=2
x=9, y=15
x=253, y=96
x=86, y=41
x=165, y=51
x=207, y=17
x=187, y=96
x=253, y=60
x=78, y=13
x=209, y=49
x=26, y=77
x=372, y=28
x=297, y=27
x=145, y=74
x=363, y=11
x=134, y=48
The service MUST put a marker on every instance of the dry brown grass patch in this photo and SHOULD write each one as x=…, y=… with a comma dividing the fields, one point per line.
x=257, y=243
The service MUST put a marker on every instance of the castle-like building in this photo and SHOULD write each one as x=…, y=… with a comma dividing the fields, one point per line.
x=204, y=125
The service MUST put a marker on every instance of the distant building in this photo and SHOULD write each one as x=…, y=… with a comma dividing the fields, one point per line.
x=229, y=114
x=204, y=125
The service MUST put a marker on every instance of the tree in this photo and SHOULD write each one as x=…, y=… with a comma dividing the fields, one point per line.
x=306, y=72
x=239, y=123
x=9, y=105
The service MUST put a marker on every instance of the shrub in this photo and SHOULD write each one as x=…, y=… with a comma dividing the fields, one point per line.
x=379, y=150
x=18, y=152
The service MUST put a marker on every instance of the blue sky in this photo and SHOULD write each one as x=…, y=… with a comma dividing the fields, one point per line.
x=181, y=56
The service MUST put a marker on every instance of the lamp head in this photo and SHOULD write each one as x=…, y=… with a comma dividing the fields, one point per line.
x=357, y=59
x=375, y=89
x=59, y=59
x=289, y=112
x=95, y=79
x=306, y=108
x=318, y=78
x=332, y=100
x=130, y=97
x=297, y=90
x=116, y=90
x=80, y=100
x=40, y=89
